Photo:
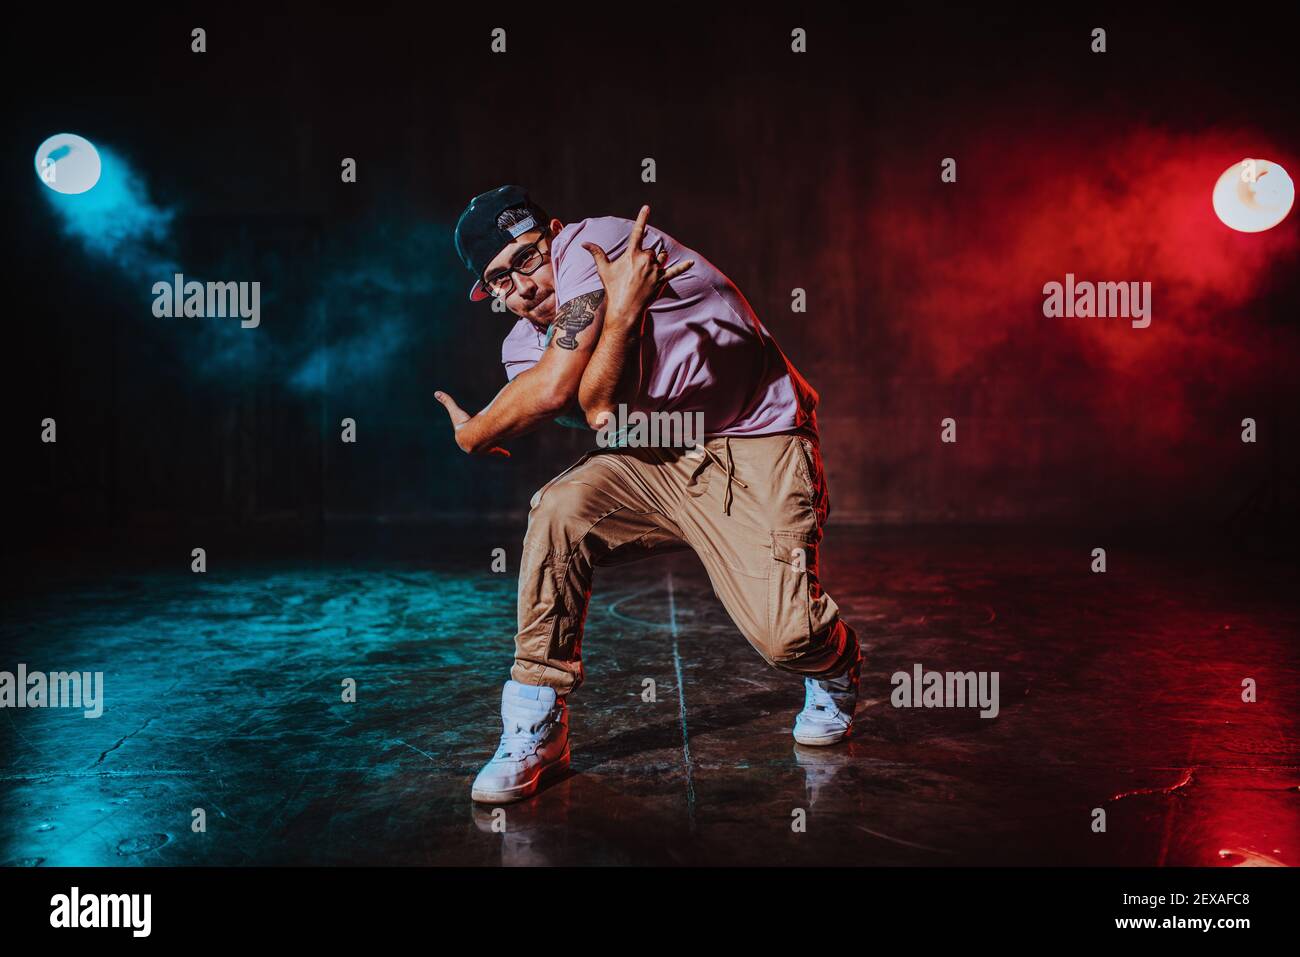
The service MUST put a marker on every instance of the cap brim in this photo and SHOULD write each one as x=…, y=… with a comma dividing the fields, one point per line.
x=477, y=292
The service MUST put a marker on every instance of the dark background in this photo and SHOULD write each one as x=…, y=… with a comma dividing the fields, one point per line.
x=818, y=171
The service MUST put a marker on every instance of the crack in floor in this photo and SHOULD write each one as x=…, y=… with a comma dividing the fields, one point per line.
x=1186, y=780
x=121, y=741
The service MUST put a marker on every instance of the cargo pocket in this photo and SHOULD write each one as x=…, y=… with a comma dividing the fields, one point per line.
x=792, y=590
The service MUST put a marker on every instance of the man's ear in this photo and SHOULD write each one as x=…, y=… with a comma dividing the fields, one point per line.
x=555, y=226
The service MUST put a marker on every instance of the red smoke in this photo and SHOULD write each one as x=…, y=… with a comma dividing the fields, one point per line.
x=960, y=268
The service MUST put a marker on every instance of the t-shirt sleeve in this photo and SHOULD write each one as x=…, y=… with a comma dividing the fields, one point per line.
x=522, y=348
x=575, y=269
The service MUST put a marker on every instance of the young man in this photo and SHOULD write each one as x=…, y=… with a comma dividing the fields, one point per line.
x=614, y=313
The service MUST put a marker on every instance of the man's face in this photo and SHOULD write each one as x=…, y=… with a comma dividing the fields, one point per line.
x=533, y=295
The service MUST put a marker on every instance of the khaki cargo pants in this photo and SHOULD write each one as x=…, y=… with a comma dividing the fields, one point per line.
x=751, y=508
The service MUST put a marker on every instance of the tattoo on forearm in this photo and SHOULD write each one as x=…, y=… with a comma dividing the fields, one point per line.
x=576, y=315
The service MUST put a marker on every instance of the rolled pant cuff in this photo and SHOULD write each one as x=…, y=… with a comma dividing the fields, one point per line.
x=846, y=642
x=533, y=673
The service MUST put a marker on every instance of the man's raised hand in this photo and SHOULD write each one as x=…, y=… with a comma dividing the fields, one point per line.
x=634, y=280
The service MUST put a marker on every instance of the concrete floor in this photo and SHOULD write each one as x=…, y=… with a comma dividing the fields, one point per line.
x=223, y=692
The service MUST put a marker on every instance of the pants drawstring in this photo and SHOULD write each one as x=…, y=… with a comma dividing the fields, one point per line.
x=729, y=466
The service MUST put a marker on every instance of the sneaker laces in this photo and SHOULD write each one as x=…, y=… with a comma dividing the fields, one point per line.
x=818, y=697
x=523, y=741
x=820, y=693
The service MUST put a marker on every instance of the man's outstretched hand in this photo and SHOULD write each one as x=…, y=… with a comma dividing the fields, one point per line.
x=634, y=280
x=458, y=418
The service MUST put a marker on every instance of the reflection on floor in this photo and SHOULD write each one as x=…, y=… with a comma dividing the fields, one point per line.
x=1119, y=693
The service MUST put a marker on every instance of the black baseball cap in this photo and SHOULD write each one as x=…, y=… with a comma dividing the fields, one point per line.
x=480, y=235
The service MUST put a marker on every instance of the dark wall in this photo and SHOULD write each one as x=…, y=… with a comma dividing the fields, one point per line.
x=818, y=171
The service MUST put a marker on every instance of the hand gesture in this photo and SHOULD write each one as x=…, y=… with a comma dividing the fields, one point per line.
x=634, y=280
x=459, y=417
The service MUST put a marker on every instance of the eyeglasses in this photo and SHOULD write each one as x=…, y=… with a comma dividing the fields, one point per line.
x=526, y=262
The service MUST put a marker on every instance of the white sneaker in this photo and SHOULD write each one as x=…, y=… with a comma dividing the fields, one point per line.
x=828, y=706
x=535, y=742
